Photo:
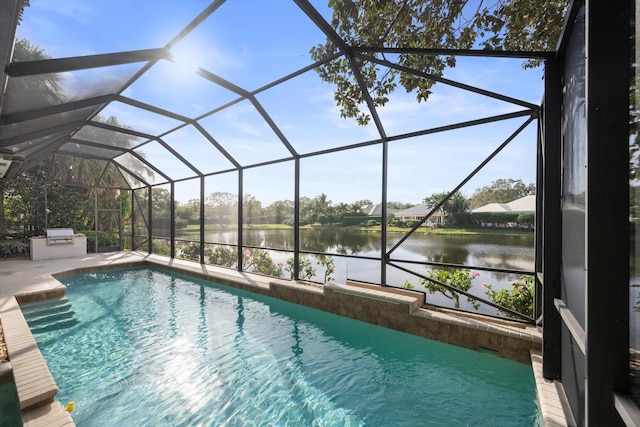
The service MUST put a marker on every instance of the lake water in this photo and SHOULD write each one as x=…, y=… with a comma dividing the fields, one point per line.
x=493, y=252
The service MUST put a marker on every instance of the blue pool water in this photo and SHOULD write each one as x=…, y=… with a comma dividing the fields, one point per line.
x=145, y=347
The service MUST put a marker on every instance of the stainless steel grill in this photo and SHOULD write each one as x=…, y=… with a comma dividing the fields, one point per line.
x=59, y=236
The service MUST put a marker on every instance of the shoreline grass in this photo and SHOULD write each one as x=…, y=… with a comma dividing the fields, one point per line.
x=194, y=229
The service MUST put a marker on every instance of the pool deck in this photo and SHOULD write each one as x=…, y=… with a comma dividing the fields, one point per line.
x=24, y=280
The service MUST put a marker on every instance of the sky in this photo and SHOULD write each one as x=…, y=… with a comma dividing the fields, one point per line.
x=251, y=43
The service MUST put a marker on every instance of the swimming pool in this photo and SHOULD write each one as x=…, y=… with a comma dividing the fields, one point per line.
x=148, y=347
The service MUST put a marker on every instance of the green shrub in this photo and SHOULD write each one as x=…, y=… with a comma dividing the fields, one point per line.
x=396, y=222
x=327, y=219
x=459, y=279
x=526, y=220
x=255, y=261
x=161, y=247
x=13, y=248
x=519, y=298
x=259, y=261
x=358, y=219
x=502, y=219
x=104, y=240
x=305, y=268
x=189, y=251
x=329, y=264
x=222, y=255
x=462, y=219
x=497, y=218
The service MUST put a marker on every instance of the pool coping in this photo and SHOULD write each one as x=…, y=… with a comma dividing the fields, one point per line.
x=34, y=383
x=553, y=402
x=36, y=286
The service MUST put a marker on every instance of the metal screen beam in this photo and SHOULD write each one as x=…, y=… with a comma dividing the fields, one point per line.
x=55, y=109
x=608, y=47
x=67, y=127
x=247, y=95
x=483, y=53
x=61, y=65
x=442, y=80
x=551, y=218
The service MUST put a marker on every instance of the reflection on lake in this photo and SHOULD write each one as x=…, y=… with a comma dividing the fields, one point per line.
x=502, y=252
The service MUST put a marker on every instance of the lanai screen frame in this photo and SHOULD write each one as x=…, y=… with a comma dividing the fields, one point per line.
x=586, y=341
x=606, y=373
x=61, y=134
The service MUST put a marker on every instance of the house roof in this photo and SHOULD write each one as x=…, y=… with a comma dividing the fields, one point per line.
x=493, y=207
x=417, y=210
x=523, y=204
x=376, y=209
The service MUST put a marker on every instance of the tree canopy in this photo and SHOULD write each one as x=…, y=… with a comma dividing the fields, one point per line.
x=523, y=25
x=32, y=91
x=501, y=191
x=456, y=204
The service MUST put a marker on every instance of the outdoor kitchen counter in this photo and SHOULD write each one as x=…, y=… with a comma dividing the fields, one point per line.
x=41, y=249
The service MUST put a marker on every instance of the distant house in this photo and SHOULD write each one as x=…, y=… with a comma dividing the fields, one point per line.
x=417, y=212
x=492, y=207
x=524, y=204
x=376, y=210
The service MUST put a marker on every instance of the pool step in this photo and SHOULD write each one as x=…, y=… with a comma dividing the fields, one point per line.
x=45, y=306
x=36, y=317
x=49, y=315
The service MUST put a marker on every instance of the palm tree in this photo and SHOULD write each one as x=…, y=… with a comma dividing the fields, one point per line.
x=457, y=203
x=321, y=205
x=26, y=93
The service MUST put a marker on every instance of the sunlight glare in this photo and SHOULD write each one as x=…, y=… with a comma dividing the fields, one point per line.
x=185, y=60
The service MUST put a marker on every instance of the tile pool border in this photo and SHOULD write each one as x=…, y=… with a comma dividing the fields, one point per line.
x=34, y=383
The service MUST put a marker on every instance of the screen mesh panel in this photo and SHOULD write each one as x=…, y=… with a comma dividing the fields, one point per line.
x=573, y=213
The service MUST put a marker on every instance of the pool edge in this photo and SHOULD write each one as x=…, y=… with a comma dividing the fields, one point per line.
x=553, y=403
x=32, y=378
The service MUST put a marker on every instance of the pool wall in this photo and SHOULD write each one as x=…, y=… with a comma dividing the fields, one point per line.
x=398, y=309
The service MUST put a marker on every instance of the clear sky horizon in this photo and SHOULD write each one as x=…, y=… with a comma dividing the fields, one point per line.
x=251, y=43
